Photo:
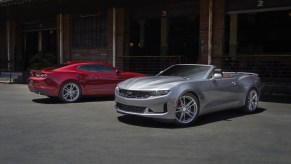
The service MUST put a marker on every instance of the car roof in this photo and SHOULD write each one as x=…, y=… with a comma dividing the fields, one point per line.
x=82, y=62
x=196, y=64
x=69, y=65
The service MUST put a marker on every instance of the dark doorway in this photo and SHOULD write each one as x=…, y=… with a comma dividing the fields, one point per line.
x=262, y=45
x=184, y=38
x=266, y=32
x=32, y=41
x=147, y=43
x=49, y=41
x=161, y=35
x=30, y=46
x=262, y=32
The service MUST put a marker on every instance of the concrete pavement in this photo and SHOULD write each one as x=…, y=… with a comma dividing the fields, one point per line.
x=35, y=129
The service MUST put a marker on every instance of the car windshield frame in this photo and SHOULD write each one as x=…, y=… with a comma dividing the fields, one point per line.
x=190, y=71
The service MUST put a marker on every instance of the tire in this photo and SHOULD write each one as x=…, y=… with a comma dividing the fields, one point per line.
x=252, y=100
x=70, y=92
x=187, y=110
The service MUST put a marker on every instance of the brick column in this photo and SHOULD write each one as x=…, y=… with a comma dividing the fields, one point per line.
x=218, y=27
x=122, y=28
x=203, y=32
x=66, y=37
x=11, y=39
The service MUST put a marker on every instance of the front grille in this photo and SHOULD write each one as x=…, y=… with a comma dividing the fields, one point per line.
x=134, y=94
x=128, y=108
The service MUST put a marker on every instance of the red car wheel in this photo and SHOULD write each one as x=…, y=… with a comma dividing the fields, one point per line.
x=70, y=92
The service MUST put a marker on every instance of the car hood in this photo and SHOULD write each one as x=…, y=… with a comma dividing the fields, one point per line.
x=152, y=83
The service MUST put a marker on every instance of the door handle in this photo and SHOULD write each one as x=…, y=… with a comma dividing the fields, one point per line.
x=95, y=77
x=234, y=83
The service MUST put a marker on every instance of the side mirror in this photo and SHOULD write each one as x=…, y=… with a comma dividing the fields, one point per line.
x=217, y=76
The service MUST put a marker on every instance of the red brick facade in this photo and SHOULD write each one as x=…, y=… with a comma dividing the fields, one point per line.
x=71, y=54
x=217, y=31
x=103, y=54
x=122, y=36
x=66, y=36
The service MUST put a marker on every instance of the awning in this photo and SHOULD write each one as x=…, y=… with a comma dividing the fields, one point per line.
x=4, y=3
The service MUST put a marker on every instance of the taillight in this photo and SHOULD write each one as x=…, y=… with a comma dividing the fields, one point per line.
x=38, y=74
x=41, y=75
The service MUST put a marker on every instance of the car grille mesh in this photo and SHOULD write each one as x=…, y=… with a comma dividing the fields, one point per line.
x=128, y=108
x=134, y=94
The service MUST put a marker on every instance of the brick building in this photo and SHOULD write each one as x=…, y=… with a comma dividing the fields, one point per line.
x=147, y=36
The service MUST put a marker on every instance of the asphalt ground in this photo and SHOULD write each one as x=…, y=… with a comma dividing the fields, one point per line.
x=37, y=130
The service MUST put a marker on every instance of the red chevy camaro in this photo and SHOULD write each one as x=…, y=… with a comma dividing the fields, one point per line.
x=72, y=80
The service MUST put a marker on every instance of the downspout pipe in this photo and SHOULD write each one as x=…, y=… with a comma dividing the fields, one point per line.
x=8, y=43
x=8, y=25
x=210, y=31
x=114, y=37
x=61, y=38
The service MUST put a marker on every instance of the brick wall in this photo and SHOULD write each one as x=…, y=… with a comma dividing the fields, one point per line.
x=3, y=52
x=122, y=41
x=14, y=63
x=203, y=32
x=218, y=31
x=66, y=37
x=100, y=54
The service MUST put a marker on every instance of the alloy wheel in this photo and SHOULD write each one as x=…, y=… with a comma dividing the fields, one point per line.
x=70, y=92
x=252, y=100
x=187, y=109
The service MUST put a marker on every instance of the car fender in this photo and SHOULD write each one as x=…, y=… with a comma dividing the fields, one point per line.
x=62, y=78
x=195, y=87
x=248, y=82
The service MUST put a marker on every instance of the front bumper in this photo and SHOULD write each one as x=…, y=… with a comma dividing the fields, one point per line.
x=160, y=107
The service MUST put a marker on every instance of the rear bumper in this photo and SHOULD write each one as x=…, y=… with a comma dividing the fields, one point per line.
x=41, y=87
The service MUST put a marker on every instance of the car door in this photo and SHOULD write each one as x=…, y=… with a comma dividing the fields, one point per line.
x=100, y=79
x=222, y=93
x=107, y=80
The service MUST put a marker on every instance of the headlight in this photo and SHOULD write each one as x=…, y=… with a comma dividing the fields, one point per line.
x=160, y=92
x=117, y=90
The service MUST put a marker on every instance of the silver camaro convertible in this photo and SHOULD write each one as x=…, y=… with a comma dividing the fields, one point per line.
x=183, y=92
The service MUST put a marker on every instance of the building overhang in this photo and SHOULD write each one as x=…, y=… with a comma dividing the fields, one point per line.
x=6, y=3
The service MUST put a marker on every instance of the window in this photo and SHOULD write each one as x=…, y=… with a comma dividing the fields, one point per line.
x=90, y=31
x=96, y=68
x=106, y=69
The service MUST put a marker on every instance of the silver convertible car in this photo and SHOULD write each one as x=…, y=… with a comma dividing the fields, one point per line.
x=183, y=92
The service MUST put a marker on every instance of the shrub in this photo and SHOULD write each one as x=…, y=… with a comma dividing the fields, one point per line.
x=42, y=60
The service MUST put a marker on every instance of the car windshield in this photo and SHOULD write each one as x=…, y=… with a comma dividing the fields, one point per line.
x=187, y=71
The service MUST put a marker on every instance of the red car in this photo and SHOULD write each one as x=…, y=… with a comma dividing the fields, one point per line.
x=70, y=81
